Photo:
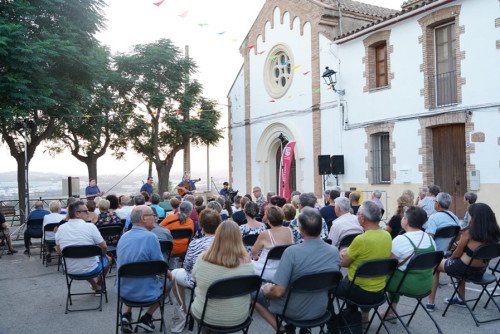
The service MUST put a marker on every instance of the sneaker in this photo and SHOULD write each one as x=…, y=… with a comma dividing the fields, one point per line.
x=126, y=320
x=289, y=329
x=146, y=323
x=455, y=301
x=430, y=307
x=305, y=331
x=26, y=251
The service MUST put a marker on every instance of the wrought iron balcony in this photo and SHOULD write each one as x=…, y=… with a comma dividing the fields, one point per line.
x=443, y=89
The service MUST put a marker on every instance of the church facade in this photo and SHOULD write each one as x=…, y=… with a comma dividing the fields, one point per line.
x=414, y=100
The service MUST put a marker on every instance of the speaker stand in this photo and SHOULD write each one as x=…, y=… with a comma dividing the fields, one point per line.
x=337, y=179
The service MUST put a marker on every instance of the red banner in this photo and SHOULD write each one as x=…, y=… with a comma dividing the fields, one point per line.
x=286, y=164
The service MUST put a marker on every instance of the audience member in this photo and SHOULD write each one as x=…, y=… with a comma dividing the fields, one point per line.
x=373, y=244
x=427, y=203
x=259, y=198
x=289, y=212
x=239, y=216
x=404, y=247
x=76, y=232
x=106, y=217
x=165, y=204
x=354, y=198
x=275, y=236
x=6, y=231
x=180, y=220
x=138, y=245
x=310, y=257
x=376, y=196
x=482, y=230
x=442, y=218
x=394, y=225
x=155, y=203
x=34, y=231
x=54, y=217
x=91, y=205
x=328, y=211
x=138, y=200
x=345, y=224
x=469, y=198
x=125, y=208
x=181, y=278
x=252, y=226
x=306, y=200
x=225, y=258
x=199, y=204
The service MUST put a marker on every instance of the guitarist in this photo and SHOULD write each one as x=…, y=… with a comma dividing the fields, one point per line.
x=186, y=186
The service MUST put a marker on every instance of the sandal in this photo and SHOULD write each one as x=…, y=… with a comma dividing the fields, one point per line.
x=11, y=251
x=391, y=318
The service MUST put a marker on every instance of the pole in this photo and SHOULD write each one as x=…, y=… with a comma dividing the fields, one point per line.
x=26, y=183
x=187, y=147
x=208, y=168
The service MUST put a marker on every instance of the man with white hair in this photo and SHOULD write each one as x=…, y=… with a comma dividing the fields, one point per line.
x=345, y=224
x=442, y=218
x=126, y=209
x=376, y=195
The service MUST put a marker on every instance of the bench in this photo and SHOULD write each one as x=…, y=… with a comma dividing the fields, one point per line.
x=9, y=211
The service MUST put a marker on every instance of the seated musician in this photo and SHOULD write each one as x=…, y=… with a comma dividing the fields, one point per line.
x=186, y=186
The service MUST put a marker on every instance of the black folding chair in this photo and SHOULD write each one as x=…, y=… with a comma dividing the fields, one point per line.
x=485, y=253
x=424, y=261
x=274, y=253
x=494, y=269
x=370, y=269
x=3, y=242
x=166, y=249
x=448, y=232
x=141, y=270
x=231, y=288
x=111, y=234
x=35, y=230
x=47, y=244
x=81, y=252
x=347, y=240
x=325, y=282
x=250, y=239
x=180, y=234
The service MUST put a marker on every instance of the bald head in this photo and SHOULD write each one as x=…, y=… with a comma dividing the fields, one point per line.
x=143, y=215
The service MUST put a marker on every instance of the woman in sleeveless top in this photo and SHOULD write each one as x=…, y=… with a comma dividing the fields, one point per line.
x=482, y=230
x=277, y=235
x=404, y=247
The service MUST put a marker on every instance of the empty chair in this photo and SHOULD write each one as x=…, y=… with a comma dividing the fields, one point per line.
x=314, y=283
x=80, y=252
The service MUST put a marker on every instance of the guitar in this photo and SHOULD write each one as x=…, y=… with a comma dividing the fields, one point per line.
x=185, y=187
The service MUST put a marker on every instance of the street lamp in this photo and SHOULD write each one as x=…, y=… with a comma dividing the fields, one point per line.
x=24, y=125
x=330, y=77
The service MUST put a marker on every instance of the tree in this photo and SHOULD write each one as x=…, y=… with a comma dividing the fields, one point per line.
x=44, y=68
x=170, y=109
x=89, y=134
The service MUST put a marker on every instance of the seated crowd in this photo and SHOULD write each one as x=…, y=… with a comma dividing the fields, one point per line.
x=216, y=250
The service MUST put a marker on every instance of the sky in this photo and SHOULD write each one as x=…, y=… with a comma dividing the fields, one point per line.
x=214, y=31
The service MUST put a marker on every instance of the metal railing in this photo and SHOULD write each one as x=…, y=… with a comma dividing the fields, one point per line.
x=443, y=89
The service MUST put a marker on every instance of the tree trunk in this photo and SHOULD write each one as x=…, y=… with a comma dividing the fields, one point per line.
x=91, y=163
x=163, y=171
x=150, y=168
x=21, y=182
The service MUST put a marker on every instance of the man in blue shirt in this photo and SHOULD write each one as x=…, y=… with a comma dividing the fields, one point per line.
x=148, y=186
x=34, y=231
x=137, y=245
x=92, y=191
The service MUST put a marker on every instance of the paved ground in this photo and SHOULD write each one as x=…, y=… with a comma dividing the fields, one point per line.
x=32, y=300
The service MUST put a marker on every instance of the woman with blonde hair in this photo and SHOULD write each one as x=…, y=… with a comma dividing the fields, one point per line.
x=394, y=225
x=226, y=257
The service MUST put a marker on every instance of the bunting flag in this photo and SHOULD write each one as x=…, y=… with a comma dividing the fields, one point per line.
x=285, y=63
x=234, y=39
x=183, y=15
x=202, y=24
x=261, y=52
x=158, y=4
x=295, y=67
x=272, y=100
x=306, y=73
x=316, y=90
x=273, y=57
x=221, y=33
x=251, y=46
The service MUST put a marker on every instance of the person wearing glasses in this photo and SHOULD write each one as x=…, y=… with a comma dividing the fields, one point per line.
x=76, y=232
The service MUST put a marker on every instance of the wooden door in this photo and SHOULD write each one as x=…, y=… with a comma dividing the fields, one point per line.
x=448, y=144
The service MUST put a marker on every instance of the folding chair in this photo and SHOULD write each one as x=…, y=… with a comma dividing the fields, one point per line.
x=81, y=252
x=35, y=229
x=3, y=242
x=370, y=269
x=448, y=232
x=250, y=239
x=347, y=240
x=485, y=253
x=137, y=270
x=166, y=249
x=424, y=261
x=46, y=244
x=274, y=253
x=111, y=233
x=494, y=269
x=179, y=234
x=325, y=282
x=231, y=288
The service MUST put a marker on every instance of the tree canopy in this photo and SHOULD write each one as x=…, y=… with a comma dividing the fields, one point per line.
x=46, y=61
x=169, y=107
